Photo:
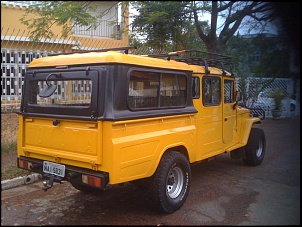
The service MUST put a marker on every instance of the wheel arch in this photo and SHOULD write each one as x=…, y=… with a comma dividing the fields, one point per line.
x=246, y=128
x=172, y=148
x=181, y=148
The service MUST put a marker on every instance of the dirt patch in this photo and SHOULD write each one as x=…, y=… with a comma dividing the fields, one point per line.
x=9, y=127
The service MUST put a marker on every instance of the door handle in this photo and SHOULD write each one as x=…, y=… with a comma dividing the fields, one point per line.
x=225, y=119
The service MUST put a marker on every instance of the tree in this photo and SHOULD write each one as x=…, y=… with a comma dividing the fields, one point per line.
x=234, y=15
x=171, y=20
x=162, y=22
x=264, y=54
x=165, y=23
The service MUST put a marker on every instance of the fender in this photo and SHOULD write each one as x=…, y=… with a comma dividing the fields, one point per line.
x=245, y=128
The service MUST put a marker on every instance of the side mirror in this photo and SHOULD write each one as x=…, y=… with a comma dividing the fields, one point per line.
x=238, y=98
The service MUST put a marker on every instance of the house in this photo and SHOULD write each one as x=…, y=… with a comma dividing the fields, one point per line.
x=17, y=51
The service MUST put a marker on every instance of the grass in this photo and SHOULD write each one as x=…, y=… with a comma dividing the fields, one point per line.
x=9, y=169
x=8, y=147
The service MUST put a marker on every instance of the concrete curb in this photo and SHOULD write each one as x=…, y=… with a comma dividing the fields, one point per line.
x=18, y=181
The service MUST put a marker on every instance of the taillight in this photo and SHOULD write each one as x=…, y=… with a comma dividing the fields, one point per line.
x=91, y=180
x=25, y=165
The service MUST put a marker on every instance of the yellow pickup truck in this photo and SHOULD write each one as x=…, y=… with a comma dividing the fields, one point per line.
x=110, y=117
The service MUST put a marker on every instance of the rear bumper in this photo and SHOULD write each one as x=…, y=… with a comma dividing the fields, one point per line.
x=72, y=174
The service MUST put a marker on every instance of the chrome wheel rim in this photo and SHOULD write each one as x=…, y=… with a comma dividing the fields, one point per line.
x=259, y=149
x=175, y=182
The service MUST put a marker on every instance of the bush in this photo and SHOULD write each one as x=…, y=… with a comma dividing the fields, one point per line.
x=278, y=95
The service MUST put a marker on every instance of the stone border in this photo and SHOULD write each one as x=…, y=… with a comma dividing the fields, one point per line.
x=18, y=181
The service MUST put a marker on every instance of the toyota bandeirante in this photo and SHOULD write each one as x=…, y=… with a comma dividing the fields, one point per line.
x=110, y=117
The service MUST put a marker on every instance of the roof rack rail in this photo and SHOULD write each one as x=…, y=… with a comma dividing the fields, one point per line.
x=125, y=49
x=210, y=60
x=196, y=61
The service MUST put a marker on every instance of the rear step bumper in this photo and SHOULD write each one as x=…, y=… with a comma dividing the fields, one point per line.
x=73, y=174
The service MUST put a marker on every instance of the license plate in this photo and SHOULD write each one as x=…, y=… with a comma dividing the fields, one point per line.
x=54, y=168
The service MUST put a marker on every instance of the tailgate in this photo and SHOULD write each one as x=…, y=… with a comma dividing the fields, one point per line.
x=72, y=142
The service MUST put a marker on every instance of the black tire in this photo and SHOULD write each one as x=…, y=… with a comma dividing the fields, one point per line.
x=169, y=186
x=255, y=148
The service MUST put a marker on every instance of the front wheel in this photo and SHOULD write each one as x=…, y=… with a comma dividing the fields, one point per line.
x=170, y=184
x=255, y=148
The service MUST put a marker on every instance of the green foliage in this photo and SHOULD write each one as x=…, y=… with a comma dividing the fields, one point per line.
x=167, y=25
x=163, y=23
x=7, y=147
x=264, y=55
x=9, y=167
x=10, y=171
x=273, y=56
x=278, y=95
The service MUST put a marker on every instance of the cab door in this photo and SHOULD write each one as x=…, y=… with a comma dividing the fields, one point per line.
x=229, y=110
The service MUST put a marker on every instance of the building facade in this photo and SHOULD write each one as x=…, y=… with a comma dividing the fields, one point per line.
x=17, y=50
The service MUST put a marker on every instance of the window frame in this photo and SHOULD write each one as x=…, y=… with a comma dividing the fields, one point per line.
x=207, y=104
x=160, y=73
x=70, y=74
x=231, y=92
x=196, y=88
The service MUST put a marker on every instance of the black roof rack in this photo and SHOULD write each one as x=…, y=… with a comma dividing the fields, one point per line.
x=125, y=49
x=207, y=59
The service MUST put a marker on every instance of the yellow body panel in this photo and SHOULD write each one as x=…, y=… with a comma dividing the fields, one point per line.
x=71, y=142
x=135, y=147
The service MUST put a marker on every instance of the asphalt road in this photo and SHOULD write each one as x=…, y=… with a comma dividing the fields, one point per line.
x=223, y=192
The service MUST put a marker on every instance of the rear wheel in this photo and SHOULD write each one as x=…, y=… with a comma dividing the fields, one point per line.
x=255, y=148
x=169, y=186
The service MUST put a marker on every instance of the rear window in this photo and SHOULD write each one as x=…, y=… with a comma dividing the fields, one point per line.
x=70, y=92
x=67, y=93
